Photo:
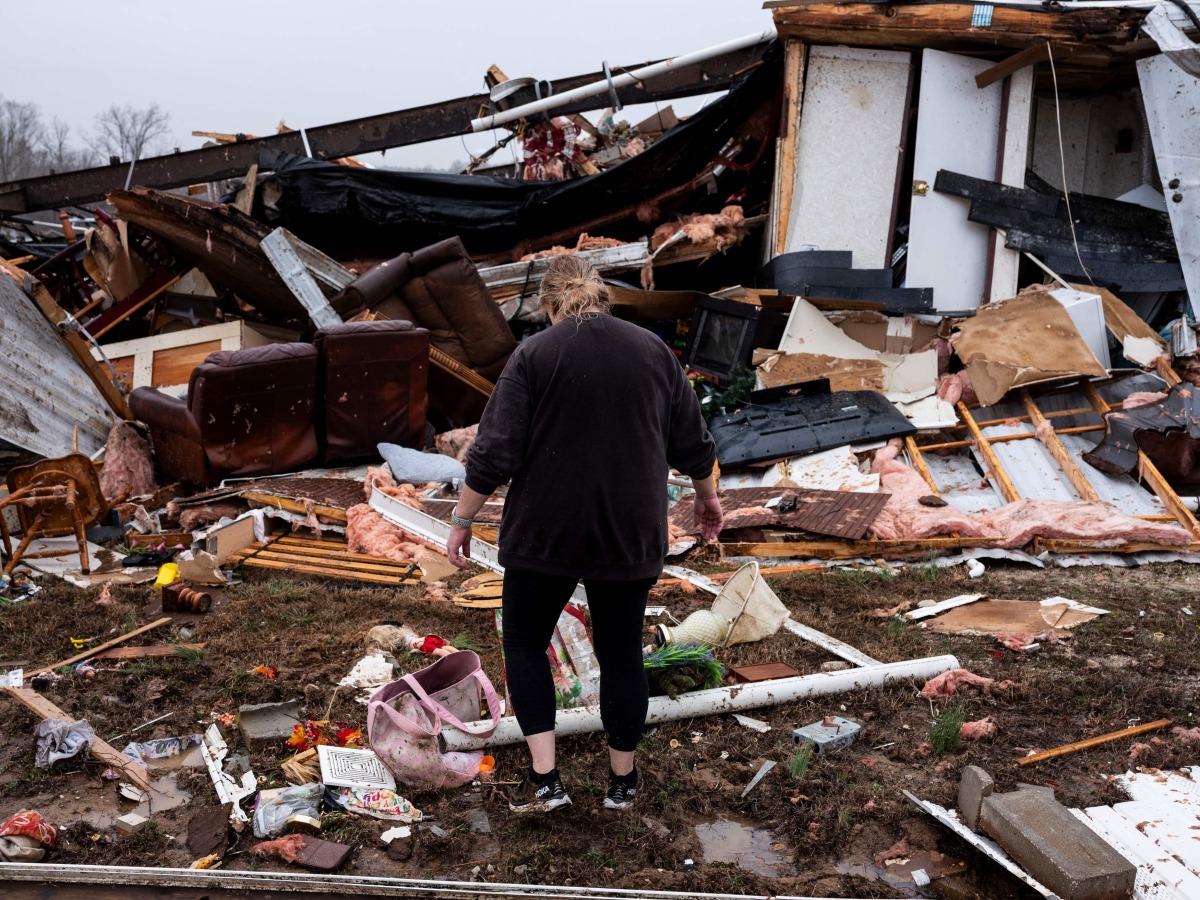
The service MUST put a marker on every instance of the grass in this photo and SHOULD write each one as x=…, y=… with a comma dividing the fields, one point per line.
x=190, y=654
x=945, y=734
x=798, y=764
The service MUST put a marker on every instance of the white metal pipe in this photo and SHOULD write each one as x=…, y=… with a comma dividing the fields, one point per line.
x=107, y=878
x=619, y=81
x=717, y=701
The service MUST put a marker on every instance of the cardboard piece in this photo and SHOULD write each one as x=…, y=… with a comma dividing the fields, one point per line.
x=224, y=541
x=1026, y=340
x=202, y=568
x=1055, y=615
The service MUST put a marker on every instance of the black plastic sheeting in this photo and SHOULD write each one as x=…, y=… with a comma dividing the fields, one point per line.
x=355, y=213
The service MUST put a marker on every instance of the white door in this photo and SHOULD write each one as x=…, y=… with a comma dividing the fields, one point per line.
x=958, y=128
x=847, y=149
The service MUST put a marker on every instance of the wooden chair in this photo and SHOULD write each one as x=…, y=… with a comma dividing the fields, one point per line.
x=53, y=498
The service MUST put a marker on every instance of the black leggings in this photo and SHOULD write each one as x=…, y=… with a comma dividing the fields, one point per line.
x=532, y=604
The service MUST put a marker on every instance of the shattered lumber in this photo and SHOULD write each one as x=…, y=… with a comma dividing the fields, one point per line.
x=1076, y=746
x=879, y=549
x=330, y=559
x=87, y=654
x=39, y=705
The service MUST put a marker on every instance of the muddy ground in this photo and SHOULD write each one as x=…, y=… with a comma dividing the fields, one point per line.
x=814, y=833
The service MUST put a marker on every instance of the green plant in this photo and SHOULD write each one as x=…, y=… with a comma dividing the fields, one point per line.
x=735, y=395
x=896, y=628
x=190, y=654
x=945, y=734
x=845, y=819
x=798, y=764
x=462, y=641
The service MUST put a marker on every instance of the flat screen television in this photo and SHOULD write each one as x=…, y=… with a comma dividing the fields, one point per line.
x=724, y=333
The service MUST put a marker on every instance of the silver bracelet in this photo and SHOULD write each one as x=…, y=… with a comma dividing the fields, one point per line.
x=460, y=521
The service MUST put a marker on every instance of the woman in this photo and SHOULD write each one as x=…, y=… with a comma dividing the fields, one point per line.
x=585, y=420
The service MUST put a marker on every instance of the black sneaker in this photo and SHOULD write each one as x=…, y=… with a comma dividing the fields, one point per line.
x=621, y=790
x=539, y=793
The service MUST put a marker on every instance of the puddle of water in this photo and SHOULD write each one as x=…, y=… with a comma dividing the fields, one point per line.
x=165, y=794
x=898, y=873
x=749, y=848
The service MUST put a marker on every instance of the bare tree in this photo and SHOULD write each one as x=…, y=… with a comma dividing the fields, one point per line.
x=57, y=152
x=130, y=133
x=20, y=139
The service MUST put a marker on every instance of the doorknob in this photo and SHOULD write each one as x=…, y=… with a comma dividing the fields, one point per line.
x=920, y=188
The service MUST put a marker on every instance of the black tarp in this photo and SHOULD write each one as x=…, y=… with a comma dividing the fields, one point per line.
x=373, y=213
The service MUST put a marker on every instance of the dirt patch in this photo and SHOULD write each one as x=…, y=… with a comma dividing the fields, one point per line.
x=1139, y=663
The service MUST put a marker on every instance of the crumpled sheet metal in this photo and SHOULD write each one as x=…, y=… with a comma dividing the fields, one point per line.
x=1159, y=429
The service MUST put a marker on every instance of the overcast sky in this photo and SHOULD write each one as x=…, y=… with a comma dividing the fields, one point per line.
x=242, y=66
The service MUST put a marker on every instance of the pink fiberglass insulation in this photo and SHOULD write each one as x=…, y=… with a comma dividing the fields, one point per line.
x=198, y=516
x=945, y=685
x=903, y=517
x=369, y=532
x=1142, y=398
x=456, y=443
x=286, y=848
x=1098, y=523
x=128, y=469
x=975, y=731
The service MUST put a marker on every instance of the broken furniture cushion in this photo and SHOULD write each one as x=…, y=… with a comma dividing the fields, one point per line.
x=1025, y=340
x=1168, y=431
x=372, y=386
x=414, y=467
x=439, y=288
x=780, y=424
x=250, y=412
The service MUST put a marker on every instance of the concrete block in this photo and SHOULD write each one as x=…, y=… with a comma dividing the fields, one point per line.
x=975, y=787
x=131, y=823
x=839, y=733
x=1055, y=847
x=268, y=723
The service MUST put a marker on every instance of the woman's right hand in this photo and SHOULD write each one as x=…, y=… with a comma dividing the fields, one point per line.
x=458, y=546
x=709, y=516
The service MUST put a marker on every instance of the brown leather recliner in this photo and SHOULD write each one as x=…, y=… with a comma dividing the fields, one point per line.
x=248, y=412
x=438, y=288
x=372, y=379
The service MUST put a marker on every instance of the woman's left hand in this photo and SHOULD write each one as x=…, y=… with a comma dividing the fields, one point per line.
x=458, y=546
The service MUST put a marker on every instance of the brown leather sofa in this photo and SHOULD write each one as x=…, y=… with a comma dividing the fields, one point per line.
x=281, y=407
x=372, y=379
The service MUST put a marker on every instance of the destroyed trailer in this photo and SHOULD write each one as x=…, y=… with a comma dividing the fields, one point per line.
x=932, y=269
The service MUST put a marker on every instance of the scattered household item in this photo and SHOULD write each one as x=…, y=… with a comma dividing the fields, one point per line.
x=752, y=608
x=52, y=498
x=762, y=672
x=273, y=808
x=405, y=721
x=414, y=467
x=701, y=627
x=796, y=419
x=350, y=767
x=59, y=739
x=831, y=733
x=674, y=668
x=179, y=596
x=724, y=333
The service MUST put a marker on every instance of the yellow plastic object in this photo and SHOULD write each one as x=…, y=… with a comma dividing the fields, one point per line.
x=167, y=574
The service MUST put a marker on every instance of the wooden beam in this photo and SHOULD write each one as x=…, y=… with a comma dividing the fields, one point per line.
x=1054, y=545
x=1060, y=453
x=1005, y=438
x=79, y=347
x=86, y=654
x=1087, y=744
x=795, y=59
x=918, y=463
x=110, y=756
x=1165, y=372
x=1007, y=491
x=1031, y=55
x=244, y=200
x=296, y=506
x=851, y=549
x=1148, y=471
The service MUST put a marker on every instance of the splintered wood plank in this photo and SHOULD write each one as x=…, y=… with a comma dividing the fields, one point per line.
x=989, y=456
x=379, y=567
x=852, y=549
x=795, y=55
x=40, y=706
x=1063, y=546
x=86, y=654
x=325, y=572
x=1060, y=453
x=918, y=463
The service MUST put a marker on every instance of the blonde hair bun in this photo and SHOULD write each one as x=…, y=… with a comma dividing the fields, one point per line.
x=572, y=288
